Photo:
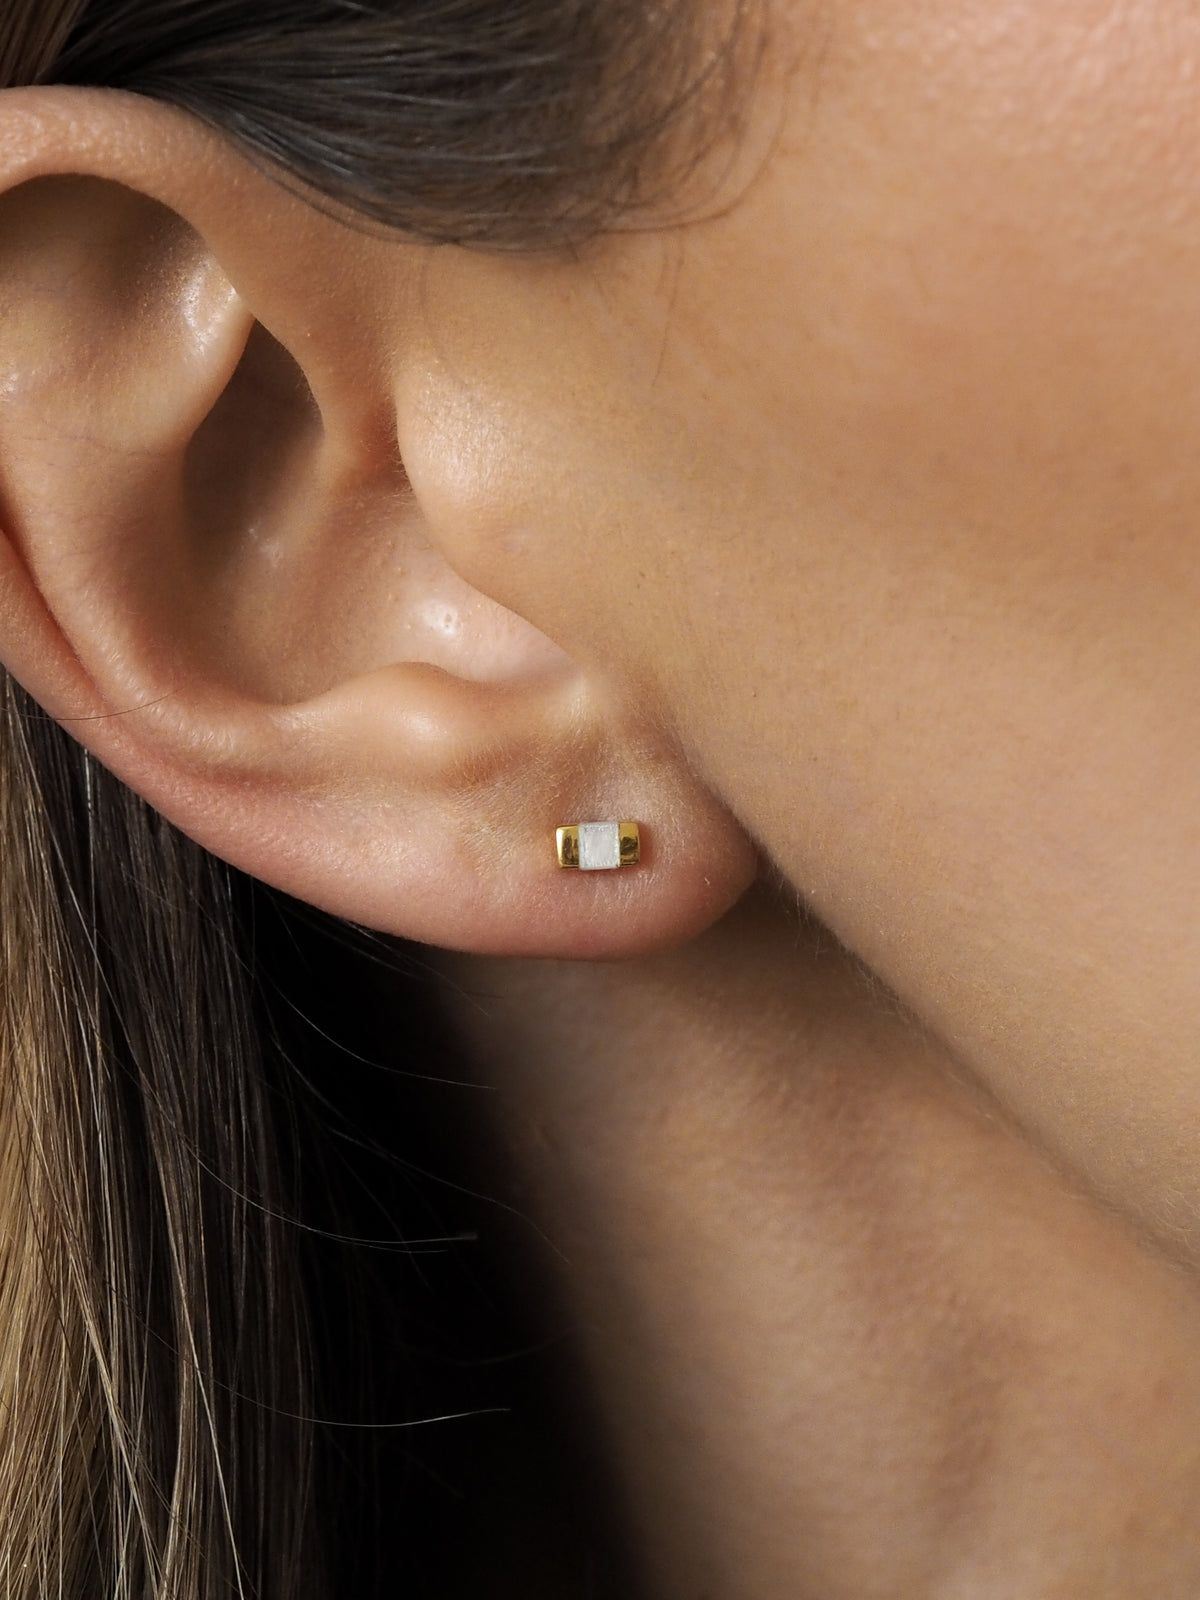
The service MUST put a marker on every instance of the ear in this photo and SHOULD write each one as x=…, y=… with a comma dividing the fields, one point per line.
x=216, y=573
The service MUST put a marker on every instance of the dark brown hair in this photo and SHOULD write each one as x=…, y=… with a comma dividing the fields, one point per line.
x=152, y=1336
x=471, y=121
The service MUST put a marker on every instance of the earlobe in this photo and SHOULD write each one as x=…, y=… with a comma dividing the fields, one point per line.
x=217, y=575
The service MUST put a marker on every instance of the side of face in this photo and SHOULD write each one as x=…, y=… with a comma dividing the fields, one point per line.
x=853, y=517
x=880, y=484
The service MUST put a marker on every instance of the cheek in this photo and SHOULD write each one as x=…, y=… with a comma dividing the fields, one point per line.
x=1005, y=219
x=958, y=319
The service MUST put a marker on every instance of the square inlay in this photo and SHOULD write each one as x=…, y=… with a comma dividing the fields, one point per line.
x=599, y=846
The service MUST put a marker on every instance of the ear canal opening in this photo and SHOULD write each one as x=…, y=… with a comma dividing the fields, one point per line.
x=258, y=442
x=315, y=563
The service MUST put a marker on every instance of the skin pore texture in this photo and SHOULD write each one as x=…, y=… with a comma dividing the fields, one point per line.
x=849, y=527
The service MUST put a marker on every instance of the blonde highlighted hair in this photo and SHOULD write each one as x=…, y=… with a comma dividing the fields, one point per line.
x=152, y=1350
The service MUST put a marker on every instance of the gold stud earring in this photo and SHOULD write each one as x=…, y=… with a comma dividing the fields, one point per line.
x=599, y=846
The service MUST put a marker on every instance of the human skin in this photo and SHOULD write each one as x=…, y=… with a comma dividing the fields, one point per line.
x=836, y=1330
x=897, y=513
x=882, y=491
x=859, y=504
x=862, y=496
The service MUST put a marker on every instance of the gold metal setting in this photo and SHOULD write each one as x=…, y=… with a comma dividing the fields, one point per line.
x=599, y=846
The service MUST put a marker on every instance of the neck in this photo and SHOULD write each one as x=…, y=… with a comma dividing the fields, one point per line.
x=847, y=1334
